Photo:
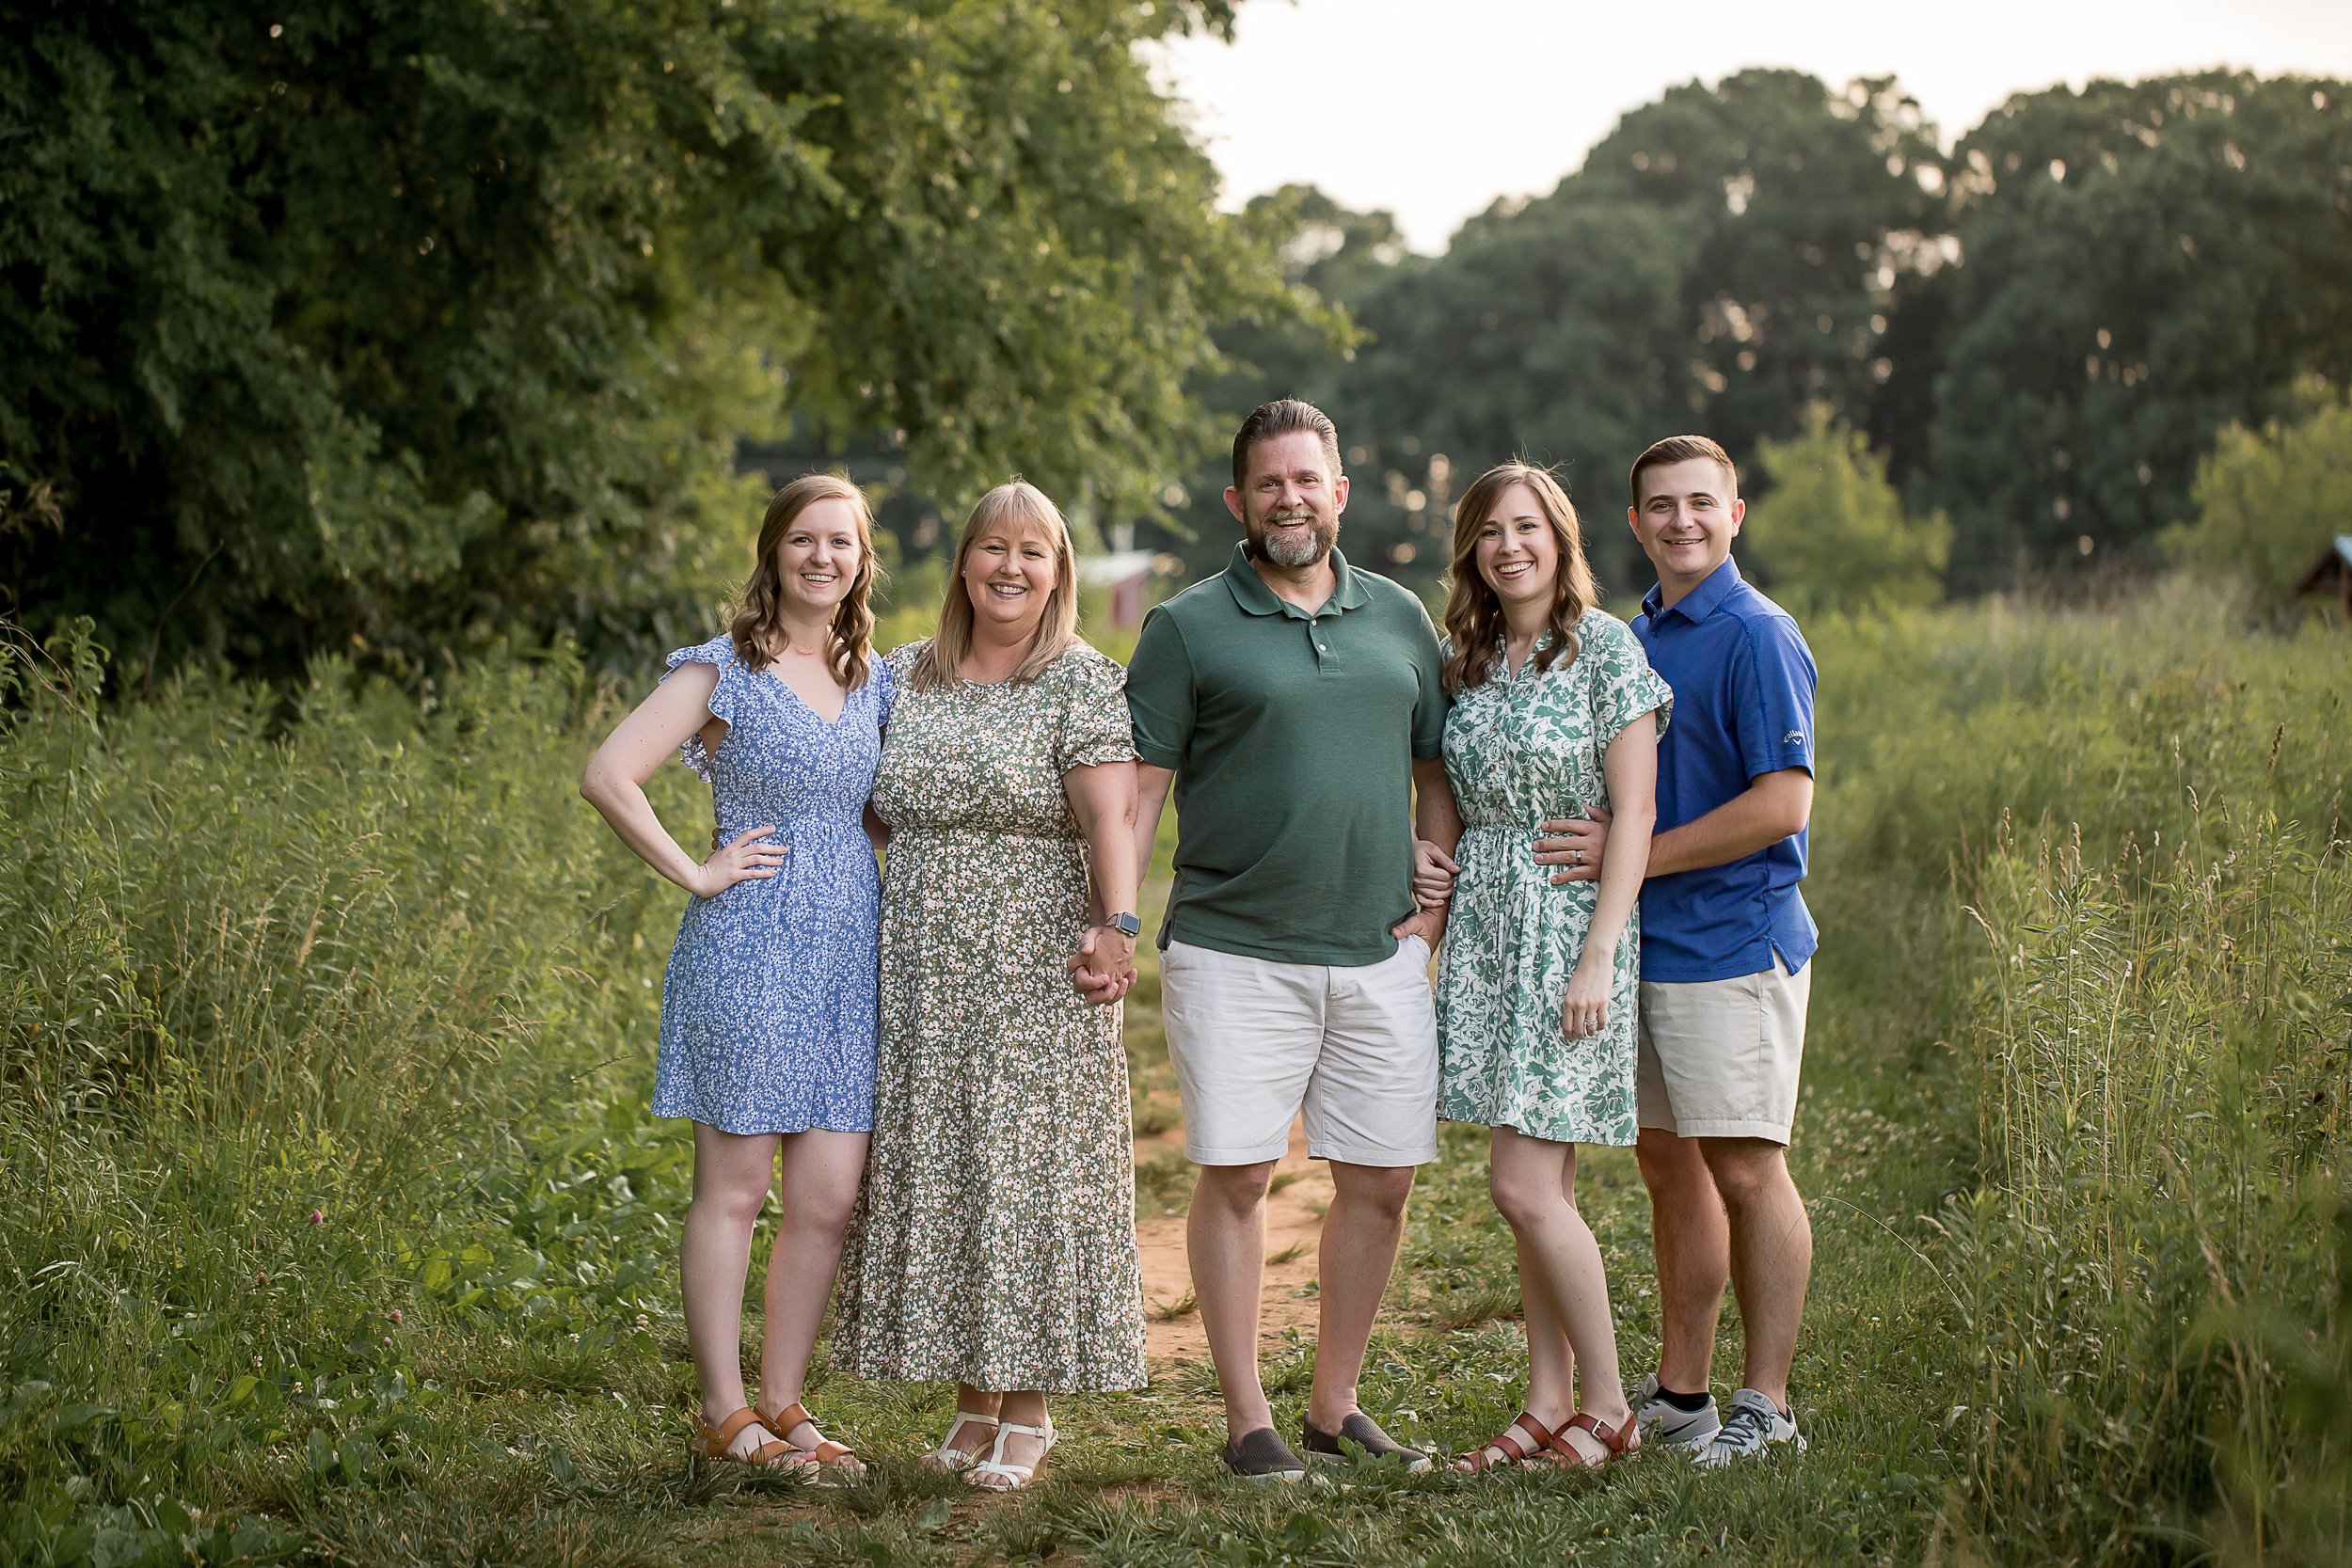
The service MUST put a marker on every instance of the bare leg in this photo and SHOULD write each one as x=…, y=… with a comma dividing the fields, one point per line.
x=1771, y=1254
x=1533, y=1181
x=1352, y=1266
x=731, y=1177
x=822, y=1172
x=1693, y=1241
x=1225, y=1239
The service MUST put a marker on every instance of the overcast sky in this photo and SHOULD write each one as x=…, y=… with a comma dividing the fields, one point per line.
x=1432, y=109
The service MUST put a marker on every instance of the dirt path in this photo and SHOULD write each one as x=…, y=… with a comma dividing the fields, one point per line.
x=1294, y=1221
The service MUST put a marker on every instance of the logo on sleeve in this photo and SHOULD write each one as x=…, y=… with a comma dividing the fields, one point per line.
x=1794, y=738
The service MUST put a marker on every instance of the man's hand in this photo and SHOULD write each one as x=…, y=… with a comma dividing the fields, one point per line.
x=1576, y=845
x=1102, y=969
x=1428, y=924
x=1434, y=871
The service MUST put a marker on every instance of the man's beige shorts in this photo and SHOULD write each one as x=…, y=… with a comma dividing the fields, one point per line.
x=1255, y=1043
x=1718, y=1058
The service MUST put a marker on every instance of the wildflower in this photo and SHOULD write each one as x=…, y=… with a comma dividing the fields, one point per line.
x=262, y=1278
x=318, y=1216
x=395, y=1317
x=388, y=1341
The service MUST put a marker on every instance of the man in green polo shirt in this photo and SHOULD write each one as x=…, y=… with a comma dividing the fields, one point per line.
x=1294, y=702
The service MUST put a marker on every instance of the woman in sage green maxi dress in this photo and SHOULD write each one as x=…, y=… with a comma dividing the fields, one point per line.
x=994, y=1246
x=1552, y=704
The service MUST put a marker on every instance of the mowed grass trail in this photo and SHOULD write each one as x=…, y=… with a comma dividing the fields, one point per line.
x=2071, y=1137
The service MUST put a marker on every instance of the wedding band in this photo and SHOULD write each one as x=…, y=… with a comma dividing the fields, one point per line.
x=1576, y=857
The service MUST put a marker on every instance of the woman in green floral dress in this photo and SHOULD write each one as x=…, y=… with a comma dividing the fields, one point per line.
x=1552, y=704
x=995, y=1246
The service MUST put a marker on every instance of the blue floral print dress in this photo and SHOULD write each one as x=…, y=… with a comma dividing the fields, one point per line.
x=1518, y=748
x=767, y=1007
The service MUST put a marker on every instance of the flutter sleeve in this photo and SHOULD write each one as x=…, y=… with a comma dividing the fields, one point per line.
x=720, y=652
x=1624, y=686
x=1095, y=726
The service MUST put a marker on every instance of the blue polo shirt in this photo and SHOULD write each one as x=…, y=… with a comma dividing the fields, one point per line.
x=1744, y=682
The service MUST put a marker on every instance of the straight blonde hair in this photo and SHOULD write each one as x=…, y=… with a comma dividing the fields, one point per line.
x=758, y=619
x=1015, y=508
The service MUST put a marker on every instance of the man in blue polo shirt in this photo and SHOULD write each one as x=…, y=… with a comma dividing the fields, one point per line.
x=1726, y=946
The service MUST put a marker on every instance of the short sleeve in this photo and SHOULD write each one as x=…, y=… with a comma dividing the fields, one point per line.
x=1095, y=727
x=720, y=652
x=884, y=680
x=1430, y=707
x=1160, y=691
x=1772, y=678
x=1623, y=684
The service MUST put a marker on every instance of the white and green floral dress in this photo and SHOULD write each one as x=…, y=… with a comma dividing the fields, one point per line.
x=1520, y=748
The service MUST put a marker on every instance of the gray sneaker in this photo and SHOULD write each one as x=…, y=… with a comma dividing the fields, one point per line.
x=1756, y=1424
x=1258, y=1454
x=1662, y=1423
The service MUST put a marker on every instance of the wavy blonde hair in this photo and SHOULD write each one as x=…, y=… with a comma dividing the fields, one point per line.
x=1016, y=507
x=1473, y=615
x=759, y=620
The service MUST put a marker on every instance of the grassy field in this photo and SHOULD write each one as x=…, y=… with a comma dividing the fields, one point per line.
x=333, y=1228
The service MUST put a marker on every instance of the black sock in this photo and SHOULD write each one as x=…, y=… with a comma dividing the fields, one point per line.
x=1682, y=1402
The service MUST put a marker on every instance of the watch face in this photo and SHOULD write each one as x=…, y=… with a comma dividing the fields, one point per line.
x=1128, y=925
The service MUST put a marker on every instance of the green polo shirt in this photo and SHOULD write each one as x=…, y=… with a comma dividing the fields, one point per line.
x=1293, y=738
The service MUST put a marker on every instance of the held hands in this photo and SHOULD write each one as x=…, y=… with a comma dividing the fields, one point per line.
x=1575, y=845
x=1584, y=1011
x=750, y=856
x=1104, y=968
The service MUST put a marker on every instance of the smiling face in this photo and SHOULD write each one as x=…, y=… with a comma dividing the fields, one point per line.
x=1518, y=553
x=1686, y=515
x=1010, y=574
x=1290, y=501
x=821, y=555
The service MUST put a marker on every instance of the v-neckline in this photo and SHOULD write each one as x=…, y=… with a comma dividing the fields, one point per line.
x=832, y=724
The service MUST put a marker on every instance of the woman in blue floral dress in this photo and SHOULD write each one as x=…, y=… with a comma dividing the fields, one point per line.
x=768, y=1009
x=1553, y=709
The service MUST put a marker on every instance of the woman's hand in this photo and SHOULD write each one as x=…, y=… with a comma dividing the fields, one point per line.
x=750, y=856
x=1103, y=969
x=1584, y=1011
x=1433, y=874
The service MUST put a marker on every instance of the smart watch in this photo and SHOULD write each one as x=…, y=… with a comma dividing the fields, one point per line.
x=1126, y=924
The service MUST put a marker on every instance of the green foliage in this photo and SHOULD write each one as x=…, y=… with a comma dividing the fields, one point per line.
x=403, y=328
x=2271, y=503
x=2144, y=263
x=1832, y=533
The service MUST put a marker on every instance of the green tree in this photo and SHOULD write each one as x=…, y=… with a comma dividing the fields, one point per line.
x=2143, y=264
x=1725, y=257
x=1830, y=532
x=410, y=325
x=2269, y=501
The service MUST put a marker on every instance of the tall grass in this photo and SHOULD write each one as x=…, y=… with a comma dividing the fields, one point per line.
x=2143, y=815
x=281, y=979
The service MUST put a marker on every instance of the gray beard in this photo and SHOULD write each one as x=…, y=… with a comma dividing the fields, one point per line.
x=1304, y=551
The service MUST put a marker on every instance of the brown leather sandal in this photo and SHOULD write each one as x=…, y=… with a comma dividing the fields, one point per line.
x=1624, y=1439
x=829, y=1459
x=716, y=1440
x=1508, y=1444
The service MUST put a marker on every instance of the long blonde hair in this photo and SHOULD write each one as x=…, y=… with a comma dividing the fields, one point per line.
x=758, y=621
x=1019, y=507
x=1474, y=615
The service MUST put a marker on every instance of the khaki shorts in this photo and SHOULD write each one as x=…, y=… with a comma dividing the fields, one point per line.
x=1718, y=1058
x=1256, y=1043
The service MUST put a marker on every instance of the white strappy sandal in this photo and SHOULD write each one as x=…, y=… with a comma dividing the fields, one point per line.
x=1015, y=1476
x=947, y=1456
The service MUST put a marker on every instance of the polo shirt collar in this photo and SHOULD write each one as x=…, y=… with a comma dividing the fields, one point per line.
x=1700, y=602
x=1250, y=592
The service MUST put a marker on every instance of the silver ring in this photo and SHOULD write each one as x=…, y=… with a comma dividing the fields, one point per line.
x=1576, y=857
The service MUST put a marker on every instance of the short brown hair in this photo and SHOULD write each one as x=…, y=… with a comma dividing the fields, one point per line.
x=1680, y=449
x=1283, y=417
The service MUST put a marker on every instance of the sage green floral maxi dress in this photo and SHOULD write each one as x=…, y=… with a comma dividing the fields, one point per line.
x=1519, y=748
x=995, y=1241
